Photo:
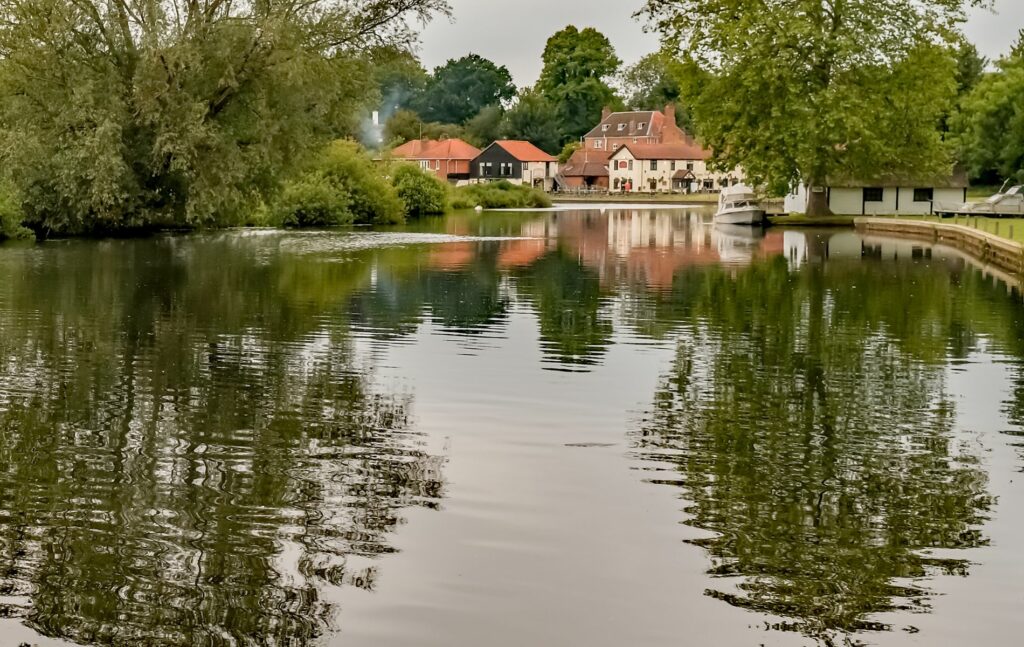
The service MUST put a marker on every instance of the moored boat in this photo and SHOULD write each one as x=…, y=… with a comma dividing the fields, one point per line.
x=738, y=205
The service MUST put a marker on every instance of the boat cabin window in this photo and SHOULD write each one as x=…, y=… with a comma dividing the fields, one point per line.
x=873, y=194
x=924, y=195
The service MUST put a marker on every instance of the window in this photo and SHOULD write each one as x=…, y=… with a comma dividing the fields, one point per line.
x=672, y=166
x=437, y=165
x=689, y=166
x=622, y=127
x=605, y=127
x=506, y=169
x=599, y=144
x=654, y=165
x=924, y=195
x=873, y=194
x=640, y=126
x=425, y=165
x=630, y=165
x=526, y=167
x=615, y=147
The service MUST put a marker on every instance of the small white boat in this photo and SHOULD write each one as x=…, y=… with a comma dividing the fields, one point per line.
x=1008, y=202
x=738, y=205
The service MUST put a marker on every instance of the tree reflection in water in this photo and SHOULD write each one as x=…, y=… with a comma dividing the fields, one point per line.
x=818, y=452
x=187, y=455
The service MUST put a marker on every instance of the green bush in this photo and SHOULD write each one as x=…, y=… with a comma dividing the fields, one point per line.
x=342, y=186
x=499, y=195
x=313, y=201
x=11, y=216
x=421, y=192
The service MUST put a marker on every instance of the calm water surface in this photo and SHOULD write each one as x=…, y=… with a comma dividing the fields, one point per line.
x=561, y=428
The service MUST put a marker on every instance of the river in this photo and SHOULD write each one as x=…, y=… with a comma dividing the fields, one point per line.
x=568, y=427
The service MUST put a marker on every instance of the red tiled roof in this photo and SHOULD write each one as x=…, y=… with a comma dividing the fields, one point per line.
x=446, y=149
x=687, y=150
x=525, y=151
x=587, y=163
x=410, y=148
x=451, y=149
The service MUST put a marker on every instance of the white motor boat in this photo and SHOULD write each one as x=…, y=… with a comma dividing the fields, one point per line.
x=738, y=205
x=1008, y=202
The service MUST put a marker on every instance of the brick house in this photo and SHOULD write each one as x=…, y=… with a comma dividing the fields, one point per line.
x=448, y=159
x=588, y=167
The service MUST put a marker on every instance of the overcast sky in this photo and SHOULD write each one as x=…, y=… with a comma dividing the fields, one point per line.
x=514, y=33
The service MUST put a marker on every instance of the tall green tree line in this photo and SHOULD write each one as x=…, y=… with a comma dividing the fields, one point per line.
x=119, y=114
x=803, y=91
x=989, y=126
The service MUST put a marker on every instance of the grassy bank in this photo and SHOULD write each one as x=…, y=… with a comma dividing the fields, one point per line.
x=1008, y=228
x=499, y=195
x=800, y=220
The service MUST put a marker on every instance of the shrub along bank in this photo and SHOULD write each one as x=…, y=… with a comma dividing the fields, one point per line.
x=11, y=216
x=499, y=195
x=344, y=187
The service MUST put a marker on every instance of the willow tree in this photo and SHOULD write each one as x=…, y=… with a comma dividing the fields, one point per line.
x=801, y=91
x=129, y=113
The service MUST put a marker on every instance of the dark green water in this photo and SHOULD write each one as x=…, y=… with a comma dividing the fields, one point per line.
x=583, y=427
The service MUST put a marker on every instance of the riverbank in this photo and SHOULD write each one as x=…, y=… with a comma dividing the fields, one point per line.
x=1005, y=254
x=637, y=198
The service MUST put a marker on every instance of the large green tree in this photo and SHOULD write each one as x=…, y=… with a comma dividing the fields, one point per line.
x=807, y=90
x=460, y=89
x=654, y=82
x=990, y=124
x=117, y=114
x=534, y=119
x=577, y=67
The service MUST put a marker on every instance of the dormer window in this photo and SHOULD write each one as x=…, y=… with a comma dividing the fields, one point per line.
x=605, y=127
x=622, y=127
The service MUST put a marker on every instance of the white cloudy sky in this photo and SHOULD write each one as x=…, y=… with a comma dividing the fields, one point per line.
x=514, y=33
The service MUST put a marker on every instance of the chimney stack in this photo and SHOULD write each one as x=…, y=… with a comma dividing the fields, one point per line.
x=605, y=113
x=670, y=113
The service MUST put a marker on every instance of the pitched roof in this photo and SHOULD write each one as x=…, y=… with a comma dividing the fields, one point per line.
x=451, y=149
x=586, y=163
x=524, y=151
x=410, y=148
x=685, y=150
x=647, y=123
x=446, y=149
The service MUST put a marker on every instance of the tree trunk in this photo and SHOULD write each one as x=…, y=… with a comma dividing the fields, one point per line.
x=817, y=200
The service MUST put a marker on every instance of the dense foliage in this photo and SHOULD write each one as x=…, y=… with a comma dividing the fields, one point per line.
x=654, y=82
x=577, y=67
x=990, y=125
x=461, y=88
x=534, y=119
x=342, y=187
x=129, y=114
x=421, y=193
x=499, y=195
x=805, y=90
x=11, y=216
